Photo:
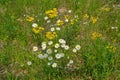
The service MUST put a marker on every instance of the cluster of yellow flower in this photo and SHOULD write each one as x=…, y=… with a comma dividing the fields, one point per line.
x=107, y=9
x=96, y=35
x=60, y=22
x=29, y=19
x=51, y=35
x=37, y=30
x=92, y=18
x=111, y=48
x=52, y=13
x=85, y=16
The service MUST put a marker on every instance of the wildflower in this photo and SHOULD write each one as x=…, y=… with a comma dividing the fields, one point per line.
x=51, y=35
x=49, y=63
x=85, y=16
x=43, y=42
x=58, y=56
x=49, y=51
x=59, y=22
x=50, y=58
x=50, y=42
x=96, y=35
x=43, y=46
x=34, y=25
x=57, y=45
x=41, y=56
x=36, y=30
x=45, y=18
x=62, y=54
x=54, y=65
x=71, y=62
x=29, y=63
x=77, y=47
x=72, y=21
x=66, y=47
x=93, y=19
x=111, y=48
x=74, y=50
x=62, y=41
x=45, y=55
x=35, y=48
x=58, y=28
x=52, y=29
x=107, y=9
x=69, y=11
x=63, y=45
x=76, y=16
x=52, y=13
x=55, y=51
x=30, y=19
x=48, y=21
x=66, y=20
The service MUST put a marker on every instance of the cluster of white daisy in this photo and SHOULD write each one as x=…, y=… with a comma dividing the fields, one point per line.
x=54, y=51
x=51, y=50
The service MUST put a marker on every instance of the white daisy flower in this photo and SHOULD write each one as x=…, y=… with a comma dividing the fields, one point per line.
x=41, y=56
x=45, y=18
x=69, y=11
x=66, y=47
x=78, y=47
x=58, y=28
x=71, y=62
x=68, y=64
x=43, y=46
x=50, y=58
x=57, y=45
x=34, y=25
x=48, y=21
x=68, y=57
x=58, y=20
x=63, y=45
x=55, y=51
x=62, y=54
x=35, y=48
x=49, y=63
x=66, y=20
x=58, y=56
x=45, y=55
x=54, y=65
x=52, y=29
x=76, y=16
x=29, y=63
x=49, y=51
x=50, y=42
x=43, y=42
x=62, y=41
x=74, y=50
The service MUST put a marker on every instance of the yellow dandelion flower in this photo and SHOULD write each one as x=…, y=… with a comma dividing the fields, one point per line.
x=93, y=19
x=96, y=35
x=52, y=13
x=30, y=19
x=51, y=35
x=85, y=16
x=107, y=9
x=60, y=22
x=36, y=30
x=66, y=16
x=111, y=48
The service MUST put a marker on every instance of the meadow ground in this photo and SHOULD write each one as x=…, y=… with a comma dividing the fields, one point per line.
x=59, y=39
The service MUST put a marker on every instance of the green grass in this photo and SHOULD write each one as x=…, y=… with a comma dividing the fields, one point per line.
x=93, y=62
